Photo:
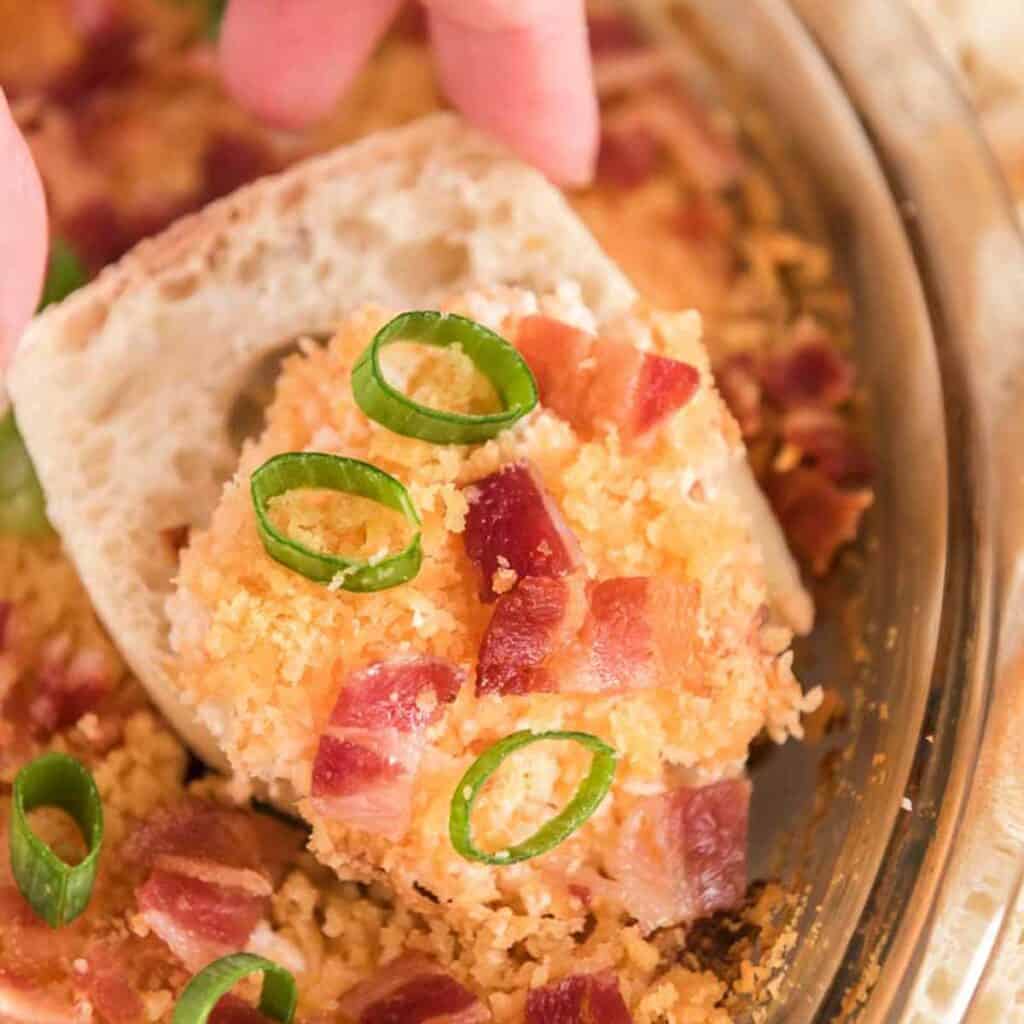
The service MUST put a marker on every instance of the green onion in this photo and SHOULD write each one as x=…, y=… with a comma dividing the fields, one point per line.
x=64, y=274
x=592, y=790
x=57, y=891
x=277, y=997
x=317, y=470
x=494, y=357
x=22, y=505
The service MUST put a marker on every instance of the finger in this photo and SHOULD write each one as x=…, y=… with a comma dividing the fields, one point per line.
x=23, y=241
x=522, y=72
x=288, y=60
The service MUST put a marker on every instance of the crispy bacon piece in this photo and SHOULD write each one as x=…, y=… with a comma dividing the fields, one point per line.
x=529, y=625
x=739, y=383
x=612, y=33
x=810, y=373
x=514, y=524
x=207, y=887
x=231, y=161
x=232, y=1010
x=106, y=985
x=818, y=517
x=825, y=440
x=579, y=999
x=565, y=635
x=24, y=1002
x=367, y=759
x=627, y=157
x=67, y=685
x=682, y=854
x=412, y=990
x=111, y=57
x=611, y=381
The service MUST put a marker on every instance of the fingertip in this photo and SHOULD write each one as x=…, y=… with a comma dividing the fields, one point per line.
x=530, y=85
x=23, y=241
x=288, y=61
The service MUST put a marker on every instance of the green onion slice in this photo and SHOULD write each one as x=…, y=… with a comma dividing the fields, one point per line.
x=277, y=997
x=318, y=470
x=592, y=790
x=64, y=274
x=494, y=357
x=22, y=505
x=57, y=891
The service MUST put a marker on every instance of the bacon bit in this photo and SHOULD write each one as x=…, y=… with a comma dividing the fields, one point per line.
x=617, y=635
x=412, y=990
x=207, y=888
x=811, y=373
x=529, y=625
x=411, y=23
x=579, y=999
x=97, y=234
x=109, y=59
x=582, y=893
x=93, y=17
x=682, y=854
x=627, y=157
x=109, y=991
x=818, y=517
x=739, y=382
x=24, y=1001
x=366, y=760
x=176, y=537
x=612, y=34
x=640, y=632
x=200, y=921
x=232, y=1010
x=513, y=524
x=707, y=155
x=6, y=611
x=825, y=440
x=614, y=381
x=67, y=688
x=232, y=160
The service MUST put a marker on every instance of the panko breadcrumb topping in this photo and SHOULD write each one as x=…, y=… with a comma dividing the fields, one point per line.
x=263, y=652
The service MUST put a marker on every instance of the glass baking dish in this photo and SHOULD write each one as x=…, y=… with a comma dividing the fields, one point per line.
x=905, y=834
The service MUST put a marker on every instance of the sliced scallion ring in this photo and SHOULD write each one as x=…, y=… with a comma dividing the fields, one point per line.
x=494, y=357
x=278, y=995
x=57, y=891
x=592, y=790
x=321, y=471
x=22, y=505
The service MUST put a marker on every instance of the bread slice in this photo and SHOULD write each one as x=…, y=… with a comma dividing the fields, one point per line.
x=124, y=392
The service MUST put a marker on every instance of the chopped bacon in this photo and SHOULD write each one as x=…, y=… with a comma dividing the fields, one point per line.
x=612, y=33
x=825, y=440
x=627, y=157
x=200, y=921
x=818, y=517
x=6, y=613
x=232, y=160
x=367, y=758
x=110, y=57
x=514, y=524
x=739, y=382
x=108, y=989
x=67, y=685
x=810, y=373
x=615, y=635
x=23, y=1002
x=708, y=155
x=529, y=625
x=412, y=990
x=97, y=233
x=92, y=17
x=579, y=999
x=682, y=854
x=611, y=382
x=207, y=887
x=232, y=1010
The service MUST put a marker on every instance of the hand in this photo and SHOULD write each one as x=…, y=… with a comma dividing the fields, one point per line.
x=519, y=69
x=22, y=235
